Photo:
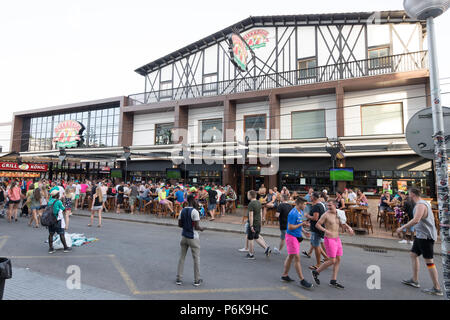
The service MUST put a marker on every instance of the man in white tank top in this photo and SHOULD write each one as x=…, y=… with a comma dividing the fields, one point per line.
x=426, y=235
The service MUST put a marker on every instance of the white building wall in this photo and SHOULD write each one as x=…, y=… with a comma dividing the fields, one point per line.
x=254, y=108
x=5, y=136
x=324, y=102
x=198, y=114
x=407, y=95
x=144, y=126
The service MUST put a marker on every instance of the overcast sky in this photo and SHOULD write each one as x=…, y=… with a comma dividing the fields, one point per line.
x=61, y=52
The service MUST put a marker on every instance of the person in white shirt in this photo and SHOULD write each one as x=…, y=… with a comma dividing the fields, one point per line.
x=352, y=196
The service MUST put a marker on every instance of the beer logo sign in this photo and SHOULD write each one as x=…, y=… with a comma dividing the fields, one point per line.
x=68, y=134
x=256, y=38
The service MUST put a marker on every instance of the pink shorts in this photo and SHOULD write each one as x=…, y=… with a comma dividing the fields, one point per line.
x=333, y=246
x=292, y=244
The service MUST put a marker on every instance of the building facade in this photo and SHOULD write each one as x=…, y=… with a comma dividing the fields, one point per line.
x=265, y=112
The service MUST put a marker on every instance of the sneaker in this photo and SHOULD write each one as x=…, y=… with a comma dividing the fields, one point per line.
x=410, y=242
x=250, y=256
x=306, y=254
x=305, y=284
x=403, y=241
x=178, y=282
x=67, y=249
x=243, y=250
x=315, y=275
x=198, y=283
x=51, y=250
x=276, y=251
x=433, y=291
x=411, y=283
x=336, y=285
x=268, y=251
x=286, y=279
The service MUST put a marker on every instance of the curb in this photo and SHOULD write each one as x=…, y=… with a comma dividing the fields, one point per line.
x=358, y=245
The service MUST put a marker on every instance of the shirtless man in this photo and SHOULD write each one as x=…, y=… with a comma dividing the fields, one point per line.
x=332, y=243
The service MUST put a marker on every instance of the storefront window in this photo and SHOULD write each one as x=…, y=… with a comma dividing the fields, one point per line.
x=255, y=127
x=163, y=133
x=211, y=130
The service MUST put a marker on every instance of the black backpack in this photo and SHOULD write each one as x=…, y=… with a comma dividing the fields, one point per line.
x=48, y=218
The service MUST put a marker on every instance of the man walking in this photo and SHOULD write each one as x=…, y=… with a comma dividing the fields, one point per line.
x=294, y=235
x=332, y=243
x=315, y=213
x=426, y=235
x=254, y=226
x=189, y=220
x=283, y=210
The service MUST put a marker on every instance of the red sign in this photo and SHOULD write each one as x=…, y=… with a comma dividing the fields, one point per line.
x=13, y=166
x=105, y=170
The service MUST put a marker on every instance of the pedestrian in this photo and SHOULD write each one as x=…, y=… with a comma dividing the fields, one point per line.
x=69, y=196
x=426, y=235
x=134, y=193
x=57, y=208
x=283, y=210
x=254, y=226
x=35, y=197
x=14, y=195
x=333, y=244
x=407, y=206
x=120, y=196
x=315, y=213
x=97, y=206
x=212, y=203
x=189, y=220
x=294, y=236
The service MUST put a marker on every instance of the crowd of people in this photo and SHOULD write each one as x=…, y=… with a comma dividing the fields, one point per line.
x=314, y=216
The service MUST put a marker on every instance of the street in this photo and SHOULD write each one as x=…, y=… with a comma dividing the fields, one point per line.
x=140, y=260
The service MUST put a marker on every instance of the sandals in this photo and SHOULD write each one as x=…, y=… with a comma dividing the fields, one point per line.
x=313, y=268
x=99, y=226
x=89, y=225
x=306, y=254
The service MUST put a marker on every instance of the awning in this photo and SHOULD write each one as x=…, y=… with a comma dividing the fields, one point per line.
x=156, y=165
x=397, y=163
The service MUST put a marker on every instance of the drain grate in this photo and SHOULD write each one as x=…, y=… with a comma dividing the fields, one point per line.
x=377, y=250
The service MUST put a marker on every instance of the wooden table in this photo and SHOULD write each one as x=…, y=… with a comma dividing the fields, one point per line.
x=358, y=211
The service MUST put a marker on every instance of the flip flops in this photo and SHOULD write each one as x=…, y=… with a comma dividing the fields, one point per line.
x=313, y=268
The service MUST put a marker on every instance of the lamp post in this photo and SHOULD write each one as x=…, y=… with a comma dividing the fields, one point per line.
x=428, y=10
x=126, y=155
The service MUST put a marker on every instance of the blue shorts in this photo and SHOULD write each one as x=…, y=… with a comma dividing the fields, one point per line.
x=211, y=207
x=315, y=239
x=411, y=229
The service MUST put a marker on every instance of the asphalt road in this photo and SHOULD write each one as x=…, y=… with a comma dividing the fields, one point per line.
x=140, y=261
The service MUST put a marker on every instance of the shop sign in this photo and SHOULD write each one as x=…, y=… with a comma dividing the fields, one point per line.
x=256, y=38
x=13, y=166
x=68, y=134
x=402, y=185
x=12, y=174
x=105, y=170
x=239, y=53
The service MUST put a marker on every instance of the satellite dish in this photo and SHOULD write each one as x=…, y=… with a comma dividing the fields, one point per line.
x=419, y=132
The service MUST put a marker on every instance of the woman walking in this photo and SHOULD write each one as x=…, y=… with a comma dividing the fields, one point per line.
x=14, y=193
x=68, y=203
x=35, y=206
x=97, y=205
x=57, y=209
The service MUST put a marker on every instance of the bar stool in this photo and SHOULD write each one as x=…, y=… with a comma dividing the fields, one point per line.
x=177, y=208
x=366, y=221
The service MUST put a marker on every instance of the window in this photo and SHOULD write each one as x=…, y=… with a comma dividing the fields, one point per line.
x=165, y=88
x=163, y=133
x=211, y=130
x=308, y=124
x=210, y=82
x=379, y=57
x=382, y=119
x=307, y=68
x=255, y=127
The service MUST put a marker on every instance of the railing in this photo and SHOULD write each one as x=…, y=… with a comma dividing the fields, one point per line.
x=349, y=70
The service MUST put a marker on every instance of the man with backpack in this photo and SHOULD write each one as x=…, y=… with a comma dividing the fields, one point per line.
x=55, y=223
x=189, y=220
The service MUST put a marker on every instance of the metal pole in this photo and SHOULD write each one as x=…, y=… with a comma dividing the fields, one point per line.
x=440, y=156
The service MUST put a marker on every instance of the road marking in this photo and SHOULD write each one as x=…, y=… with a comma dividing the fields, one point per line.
x=224, y=290
x=2, y=243
x=125, y=276
x=295, y=293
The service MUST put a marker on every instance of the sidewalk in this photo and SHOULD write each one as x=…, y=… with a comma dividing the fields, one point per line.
x=29, y=285
x=232, y=223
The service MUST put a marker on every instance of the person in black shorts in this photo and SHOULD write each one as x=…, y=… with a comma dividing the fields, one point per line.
x=283, y=210
x=120, y=196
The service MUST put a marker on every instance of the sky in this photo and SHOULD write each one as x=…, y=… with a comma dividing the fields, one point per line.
x=61, y=52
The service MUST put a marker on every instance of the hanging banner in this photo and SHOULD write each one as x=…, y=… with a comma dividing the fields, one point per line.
x=13, y=166
x=69, y=134
x=238, y=52
x=387, y=186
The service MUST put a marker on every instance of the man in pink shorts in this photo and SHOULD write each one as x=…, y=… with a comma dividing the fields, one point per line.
x=332, y=242
x=294, y=235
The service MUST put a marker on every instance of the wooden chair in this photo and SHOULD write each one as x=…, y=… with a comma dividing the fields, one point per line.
x=366, y=221
x=177, y=208
x=270, y=216
x=437, y=222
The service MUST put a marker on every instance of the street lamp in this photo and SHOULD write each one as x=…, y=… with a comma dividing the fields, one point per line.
x=126, y=155
x=428, y=10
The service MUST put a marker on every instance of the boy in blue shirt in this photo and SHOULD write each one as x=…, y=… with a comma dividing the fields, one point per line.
x=296, y=220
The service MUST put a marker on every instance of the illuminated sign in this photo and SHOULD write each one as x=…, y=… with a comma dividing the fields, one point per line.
x=256, y=38
x=239, y=53
x=68, y=134
x=13, y=166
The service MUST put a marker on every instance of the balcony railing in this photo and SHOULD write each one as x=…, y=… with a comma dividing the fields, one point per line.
x=355, y=69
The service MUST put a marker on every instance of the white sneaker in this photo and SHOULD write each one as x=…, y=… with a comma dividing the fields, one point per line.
x=276, y=251
x=243, y=250
x=403, y=241
x=410, y=242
